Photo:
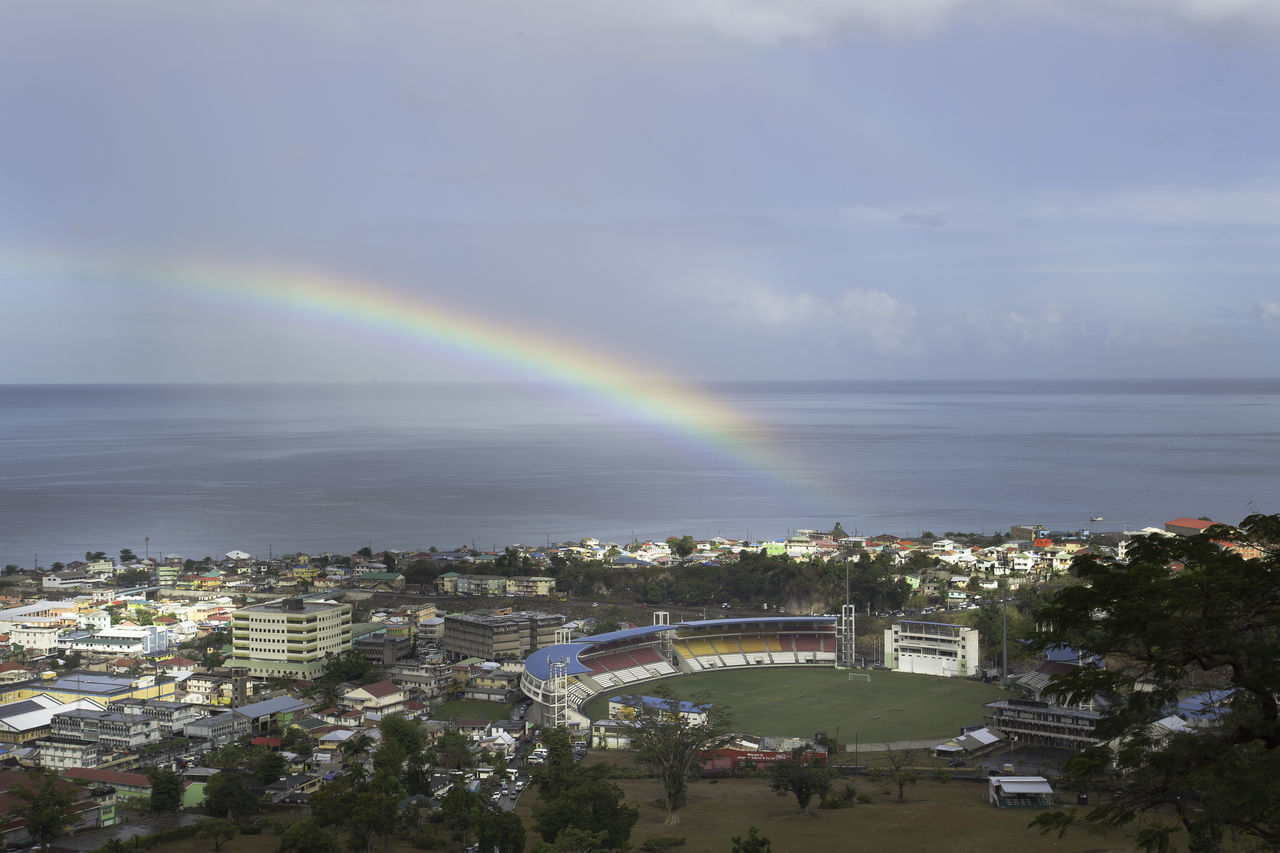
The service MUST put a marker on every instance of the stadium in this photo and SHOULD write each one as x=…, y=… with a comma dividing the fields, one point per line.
x=563, y=678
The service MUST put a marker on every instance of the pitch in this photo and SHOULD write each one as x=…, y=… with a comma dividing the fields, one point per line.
x=802, y=700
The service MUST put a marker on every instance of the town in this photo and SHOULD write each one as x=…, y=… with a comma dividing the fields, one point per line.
x=147, y=686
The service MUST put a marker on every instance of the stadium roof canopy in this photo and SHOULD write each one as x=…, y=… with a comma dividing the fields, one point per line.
x=538, y=664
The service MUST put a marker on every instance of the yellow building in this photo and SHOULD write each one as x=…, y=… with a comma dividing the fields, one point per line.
x=290, y=637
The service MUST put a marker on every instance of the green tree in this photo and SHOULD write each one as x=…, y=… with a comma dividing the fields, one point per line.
x=753, y=843
x=1183, y=613
x=804, y=779
x=268, y=767
x=671, y=742
x=590, y=802
x=371, y=816
x=682, y=546
x=502, y=831
x=47, y=809
x=226, y=795
x=217, y=830
x=307, y=836
x=127, y=556
x=166, y=790
x=460, y=810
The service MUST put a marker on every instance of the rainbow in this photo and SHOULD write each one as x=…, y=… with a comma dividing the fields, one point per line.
x=623, y=391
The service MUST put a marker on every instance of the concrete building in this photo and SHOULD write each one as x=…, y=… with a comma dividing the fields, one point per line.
x=932, y=648
x=502, y=637
x=123, y=640
x=218, y=730
x=170, y=717
x=111, y=731
x=291, y=637
x=1029, y=721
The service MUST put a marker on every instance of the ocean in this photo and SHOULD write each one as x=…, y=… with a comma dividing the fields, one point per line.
x=200, y=470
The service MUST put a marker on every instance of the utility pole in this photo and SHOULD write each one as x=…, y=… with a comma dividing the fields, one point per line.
x=1004, y=619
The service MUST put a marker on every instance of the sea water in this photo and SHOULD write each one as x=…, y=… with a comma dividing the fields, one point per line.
x=199, y=470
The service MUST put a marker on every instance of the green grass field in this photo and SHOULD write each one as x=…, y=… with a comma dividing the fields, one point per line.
x=799, y=701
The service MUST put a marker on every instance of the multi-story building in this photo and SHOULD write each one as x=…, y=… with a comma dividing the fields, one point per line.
x=123, y=640
x=112, y=731
x=1029, y=721
x=218, y=730
x=289, y=637
x=170, y=717
x=499, y=637
x=932, y=648
x=531, y=586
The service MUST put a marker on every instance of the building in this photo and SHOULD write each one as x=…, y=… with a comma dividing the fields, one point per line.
x=932, y=648
x=123, y=640
x=290, y=637
x=623, y=708
x=112, y=731
x=83, y=684
x=28, y=719
x=1029, y=721
x=218, y=730
x=1188, y=526
x=382, y=697
x=531, y=586
x=171, y=718
x=499, y=637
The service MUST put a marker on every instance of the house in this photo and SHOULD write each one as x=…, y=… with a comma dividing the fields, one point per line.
x=1188, y=526
x=381, y=696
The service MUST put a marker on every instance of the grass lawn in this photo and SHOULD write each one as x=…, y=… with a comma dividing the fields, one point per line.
x=952, y=816
x=795, y=701
x=471, y=709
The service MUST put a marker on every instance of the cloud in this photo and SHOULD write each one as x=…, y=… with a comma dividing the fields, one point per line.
x=871, y=218
x=768, y=22
x=1269, y=312
x=1174, y=206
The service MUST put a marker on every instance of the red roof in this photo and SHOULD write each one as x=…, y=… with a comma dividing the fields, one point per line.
x=380, y=689
x=107, y=777
x=273, y=742
x=1194, y=523
x=11, y=666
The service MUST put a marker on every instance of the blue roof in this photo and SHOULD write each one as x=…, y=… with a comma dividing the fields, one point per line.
x=627, y=633
x=538, y=664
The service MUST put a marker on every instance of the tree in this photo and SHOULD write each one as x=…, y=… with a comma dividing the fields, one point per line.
x=268, y=767
x=900, y=771
x=682, y=546
x=227, y=796
x=671, y=739
x=804, y=779
x=48, y=806
x=578, y=798
x=371, y=816
x=218, y=831
x=307, y=836
x=502, y=831
x=166, y=790
x=753, y=843
x=127, y=556
x=1184, y=613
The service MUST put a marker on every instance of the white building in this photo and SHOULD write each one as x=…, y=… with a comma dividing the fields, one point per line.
x=35, y=638
x=932, y=648
x=124, y=640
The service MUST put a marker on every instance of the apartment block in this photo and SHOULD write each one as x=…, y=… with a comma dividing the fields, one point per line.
x=290, y=637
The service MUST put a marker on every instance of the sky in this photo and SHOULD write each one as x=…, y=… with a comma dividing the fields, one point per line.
x=705, y=189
